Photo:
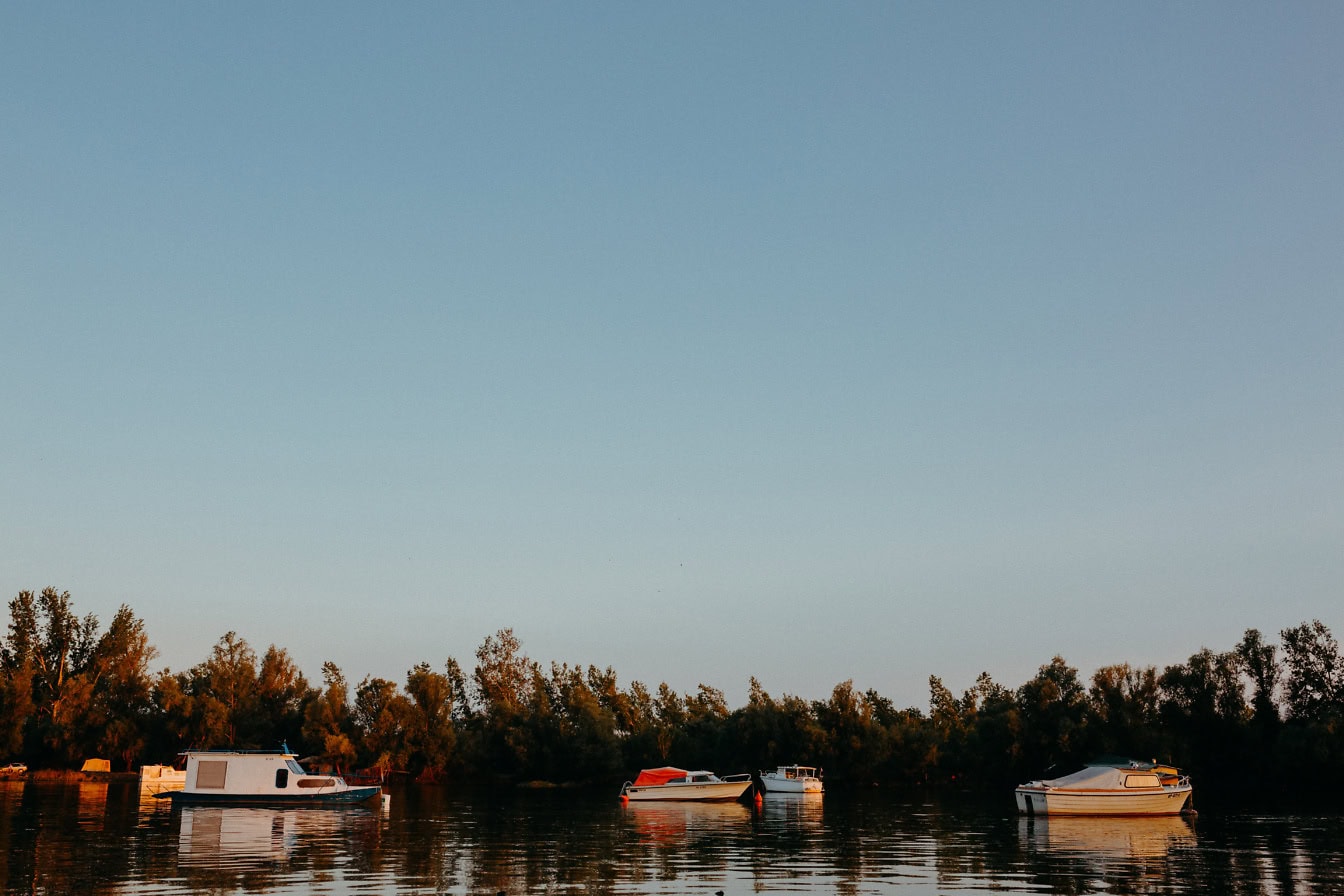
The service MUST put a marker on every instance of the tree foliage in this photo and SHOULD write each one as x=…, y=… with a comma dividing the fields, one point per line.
x=69, y=690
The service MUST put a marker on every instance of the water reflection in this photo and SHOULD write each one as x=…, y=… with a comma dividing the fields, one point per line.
x=802, y=810
x=92, y=803
x=1124, y=838
x=231, y=846
x=684, y=823
x=76, y=838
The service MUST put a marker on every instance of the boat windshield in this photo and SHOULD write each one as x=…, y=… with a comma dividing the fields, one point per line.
x=295, y=767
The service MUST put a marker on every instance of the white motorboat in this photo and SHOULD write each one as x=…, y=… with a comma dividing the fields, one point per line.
x=261, y=778
x=792, y=779
x=155, y=779
x=1135, y=789
x=668, y=783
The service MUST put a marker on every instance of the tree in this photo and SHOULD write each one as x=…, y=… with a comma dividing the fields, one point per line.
x=505, y=681
x=224, y=706
x=382, y=715
x=327, y=721
x=1315, y=672
x=121, y=687
x=282, y=693
x=1053, y=707
x=67, y=691
x=430, y=735
x=1124, y=705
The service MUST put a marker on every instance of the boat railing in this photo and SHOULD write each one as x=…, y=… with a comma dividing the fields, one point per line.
x=741, y=777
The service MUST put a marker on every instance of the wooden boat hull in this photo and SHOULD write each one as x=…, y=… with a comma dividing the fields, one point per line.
x=1166, y=800
x=712, y=791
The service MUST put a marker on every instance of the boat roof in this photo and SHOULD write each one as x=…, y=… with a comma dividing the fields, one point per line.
x=659, y=775
x=1098, y=777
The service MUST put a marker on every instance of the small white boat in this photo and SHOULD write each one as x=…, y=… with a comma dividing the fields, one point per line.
x=261, y=778
x=155, y=779
x=792, y=779
x=1136, y=789
x=668, y=783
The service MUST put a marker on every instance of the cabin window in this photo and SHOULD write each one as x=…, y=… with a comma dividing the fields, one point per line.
x=210, y=774
x=281, y=778
x=1141, y=780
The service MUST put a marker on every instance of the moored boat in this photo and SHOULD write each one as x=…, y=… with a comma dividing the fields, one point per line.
x=261, y=778
x=155, y=779
x=1135, y=789
x=668, y=783
x=792, y=779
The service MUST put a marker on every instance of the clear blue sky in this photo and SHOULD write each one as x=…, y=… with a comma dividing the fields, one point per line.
x=813, y=342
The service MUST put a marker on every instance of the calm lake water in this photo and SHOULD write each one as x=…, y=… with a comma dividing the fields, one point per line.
x=102, y=838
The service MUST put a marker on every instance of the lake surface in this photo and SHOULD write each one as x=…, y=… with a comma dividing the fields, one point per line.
x=102, y=838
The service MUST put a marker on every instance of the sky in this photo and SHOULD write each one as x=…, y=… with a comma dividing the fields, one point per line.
x=814, y=342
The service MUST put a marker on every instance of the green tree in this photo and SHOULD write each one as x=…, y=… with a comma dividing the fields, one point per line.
x=1315, y=672
x=430, y=735
x=505, y=682
x=993, y=740
x=1124, y=706
x=382, y=715
x=1203, y=708
x=590, y=748
x=1260, y=666
x=328, y=722
x=856, y=746
x=1053, y=708
x=669, y=710
x=224, y=707
x=282, y=694
x=121, y=687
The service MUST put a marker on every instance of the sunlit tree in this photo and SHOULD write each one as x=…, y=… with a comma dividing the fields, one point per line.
x=430, y=735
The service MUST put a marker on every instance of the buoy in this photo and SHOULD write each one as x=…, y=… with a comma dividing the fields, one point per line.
x=757, y=799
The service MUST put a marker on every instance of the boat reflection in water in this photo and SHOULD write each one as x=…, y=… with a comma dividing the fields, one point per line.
x=239, y=836
x=675, y=823
x=1108, y=837
x=793, y=811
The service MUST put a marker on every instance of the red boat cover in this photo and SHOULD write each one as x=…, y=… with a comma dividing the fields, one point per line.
x=658, y=775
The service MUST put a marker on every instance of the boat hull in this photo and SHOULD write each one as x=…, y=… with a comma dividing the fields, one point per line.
x=1167, y=800
x=712, y=791
x=790, y=785
x=336, y=798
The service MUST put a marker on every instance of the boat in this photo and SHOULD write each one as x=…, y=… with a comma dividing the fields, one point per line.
x=668, y=783
x=155, y=779
x=792, y=779
x=1133, y=789
x=261, y=778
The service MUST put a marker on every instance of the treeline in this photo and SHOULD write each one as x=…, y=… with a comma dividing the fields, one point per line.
x=71, y=690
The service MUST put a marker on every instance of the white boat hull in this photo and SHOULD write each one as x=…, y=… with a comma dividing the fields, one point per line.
x=790, y=785
x=1166, y=800
x=704, y=792
x=159, y=778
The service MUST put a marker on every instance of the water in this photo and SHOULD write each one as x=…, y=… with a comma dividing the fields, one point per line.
x=102, y=838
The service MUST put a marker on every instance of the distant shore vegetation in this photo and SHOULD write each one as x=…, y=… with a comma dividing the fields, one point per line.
x=73, y=690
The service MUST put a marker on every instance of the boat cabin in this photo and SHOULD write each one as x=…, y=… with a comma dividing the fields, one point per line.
x=256, y=776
